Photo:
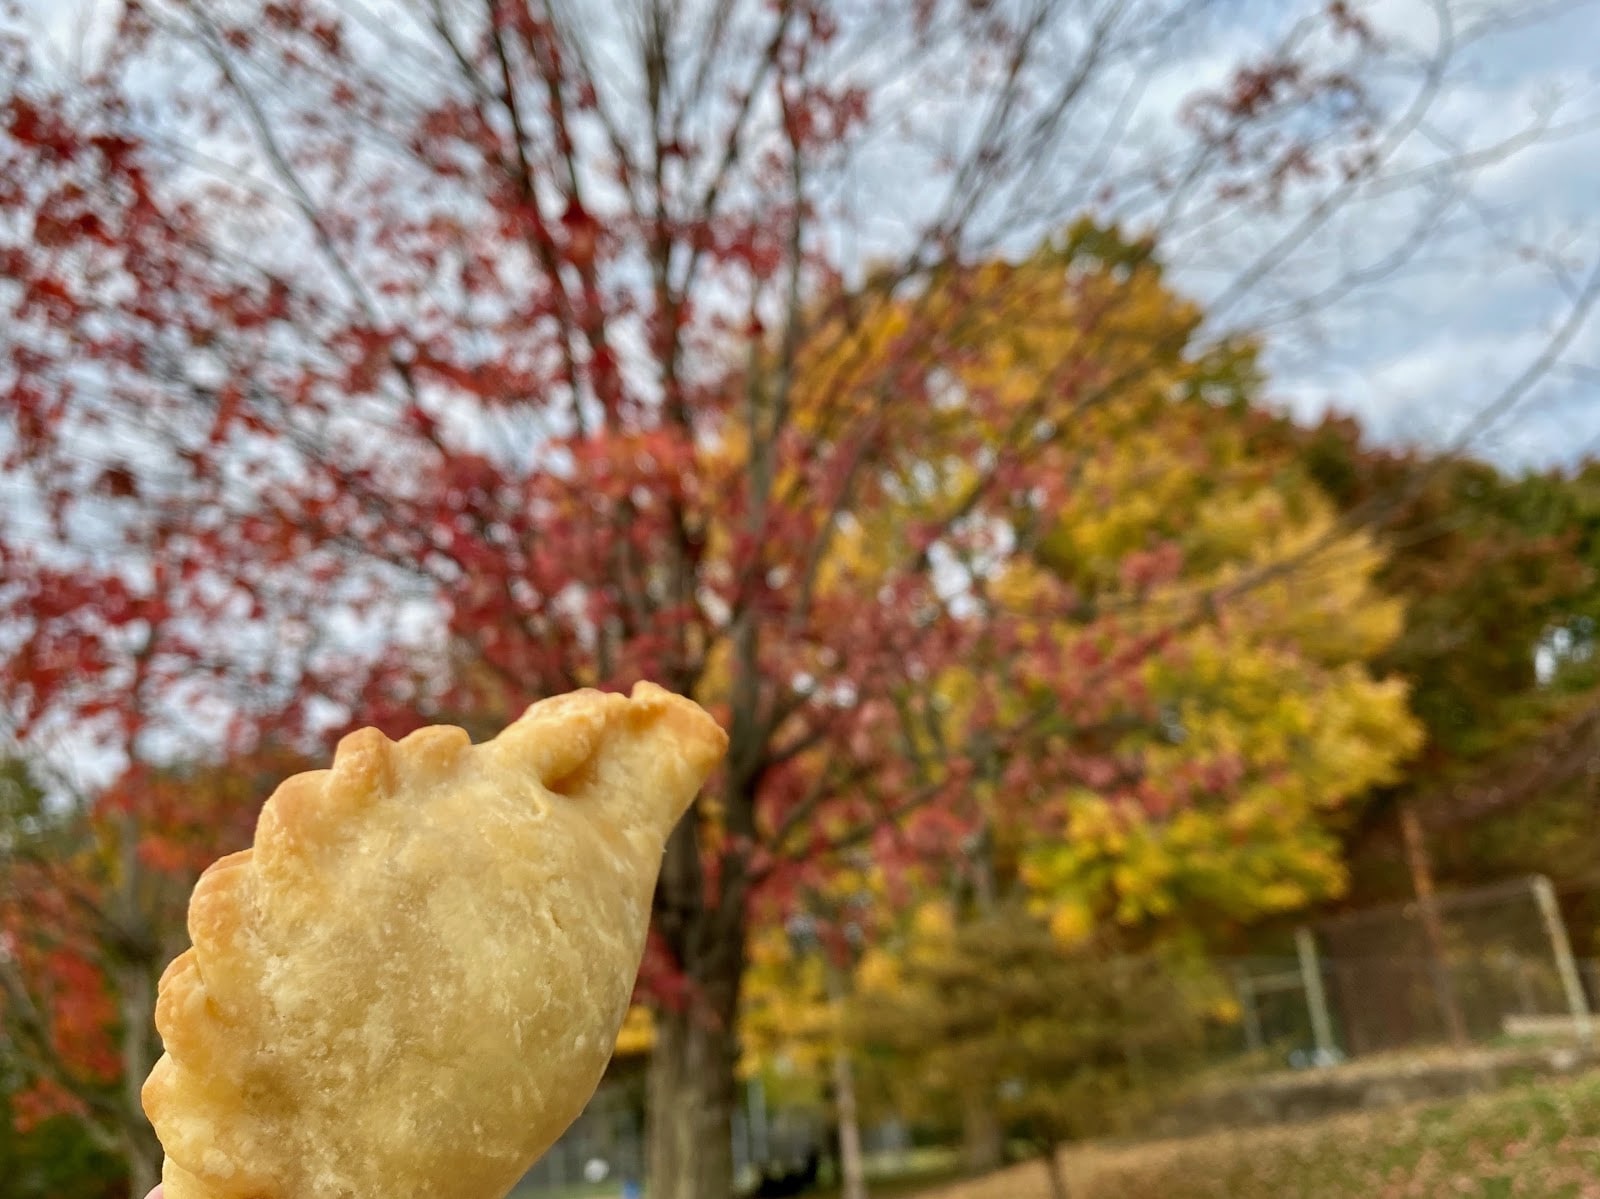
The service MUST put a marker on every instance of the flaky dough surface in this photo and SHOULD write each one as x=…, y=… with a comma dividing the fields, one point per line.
x=411, y=984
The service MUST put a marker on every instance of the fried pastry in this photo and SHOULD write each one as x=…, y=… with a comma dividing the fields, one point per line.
x=411, y=984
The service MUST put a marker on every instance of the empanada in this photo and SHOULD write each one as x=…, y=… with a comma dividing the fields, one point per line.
x=412, y=983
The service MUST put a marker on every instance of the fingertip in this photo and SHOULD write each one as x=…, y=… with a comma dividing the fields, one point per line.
x=155, y=1194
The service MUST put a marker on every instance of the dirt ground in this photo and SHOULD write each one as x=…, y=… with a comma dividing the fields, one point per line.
x=1538, y=1141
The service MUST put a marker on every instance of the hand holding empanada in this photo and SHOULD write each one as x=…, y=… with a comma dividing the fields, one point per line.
x=413, y=982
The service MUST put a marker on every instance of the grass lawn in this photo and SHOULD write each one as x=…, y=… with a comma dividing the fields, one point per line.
x=1539, y=1141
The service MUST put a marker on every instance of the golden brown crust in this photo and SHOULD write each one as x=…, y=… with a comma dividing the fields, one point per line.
x=412, y=982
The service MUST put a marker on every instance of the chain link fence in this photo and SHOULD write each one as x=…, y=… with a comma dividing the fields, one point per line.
x=1492, y=965
x=1489, y=965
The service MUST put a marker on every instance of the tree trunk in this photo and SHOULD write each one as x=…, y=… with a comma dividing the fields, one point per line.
x=134, y=968
x=693, y=1085
x=1421, y=867
x=1058, y=1179
x=692, y=1096
x=982, y=1138
x=140, y=1149
x=143, y=1174
x=852, y=1169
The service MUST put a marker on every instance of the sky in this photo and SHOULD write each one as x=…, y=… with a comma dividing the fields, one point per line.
x=1453, y=335
x=1420, y=355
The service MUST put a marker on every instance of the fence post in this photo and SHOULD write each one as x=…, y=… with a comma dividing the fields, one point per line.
x=1244, y=986
x=1566, y=966
x=1316, y=997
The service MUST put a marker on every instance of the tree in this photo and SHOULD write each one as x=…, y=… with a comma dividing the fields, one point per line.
x=798, y=985
x=362, y=368
x=92, y=908
x=1278, y=718
x=1503, y=565
x=1507, y=565
x=1220, y=764
x=57, y=1160
x=1204, y=781
x=1066, y=1044
x=49, y=1156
